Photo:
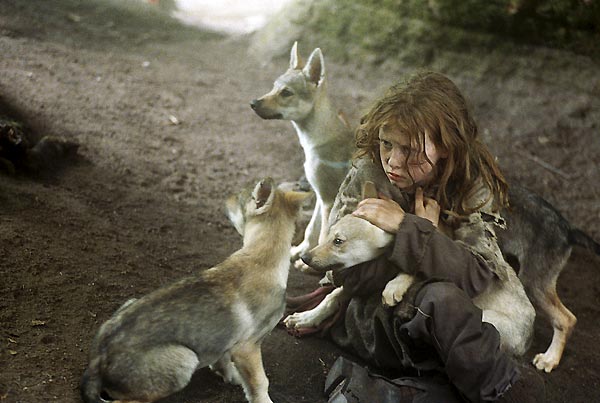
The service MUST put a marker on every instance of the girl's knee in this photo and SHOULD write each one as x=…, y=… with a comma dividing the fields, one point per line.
x=440, y=290
x=443, y=296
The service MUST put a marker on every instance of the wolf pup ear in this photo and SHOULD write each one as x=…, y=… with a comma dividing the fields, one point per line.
x=296, y=198
x=236, y=207
x=296, y=62
x=263, y=194
x=369, y=190
x=315, y=67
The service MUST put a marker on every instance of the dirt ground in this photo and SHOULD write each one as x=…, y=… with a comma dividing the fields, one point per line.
x=143, y=205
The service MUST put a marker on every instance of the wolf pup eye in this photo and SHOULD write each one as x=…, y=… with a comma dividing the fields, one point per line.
x=286, y=93
x=338, y=241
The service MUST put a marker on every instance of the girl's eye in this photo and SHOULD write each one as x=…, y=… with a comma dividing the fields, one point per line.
x=286, y=93
x=386, y=144
x=338, y=241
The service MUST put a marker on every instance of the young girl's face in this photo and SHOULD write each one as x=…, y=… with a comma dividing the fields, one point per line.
x=407, y=165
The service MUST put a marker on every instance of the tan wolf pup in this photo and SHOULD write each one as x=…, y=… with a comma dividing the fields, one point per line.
x=300, y=95
x=151, y=346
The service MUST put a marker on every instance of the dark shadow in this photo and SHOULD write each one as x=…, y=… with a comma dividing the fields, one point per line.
x=25, y=151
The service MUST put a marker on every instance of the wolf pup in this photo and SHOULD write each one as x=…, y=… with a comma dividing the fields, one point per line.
x=151, y=346
x=300, y=95
x=537, y=242
x=353, y=240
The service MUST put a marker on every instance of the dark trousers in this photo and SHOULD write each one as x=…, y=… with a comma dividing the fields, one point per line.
x=444, y=332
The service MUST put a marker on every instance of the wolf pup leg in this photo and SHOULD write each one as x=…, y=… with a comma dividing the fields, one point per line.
x=142, y=377
x=248, y=360
x=227, y=370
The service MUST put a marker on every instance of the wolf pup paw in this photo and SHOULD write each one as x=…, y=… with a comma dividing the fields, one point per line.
x=545, y=362
x=304, y=268
x=395, y=289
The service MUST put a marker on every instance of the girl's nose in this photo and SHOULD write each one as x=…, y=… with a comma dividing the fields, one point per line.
x=397, y=159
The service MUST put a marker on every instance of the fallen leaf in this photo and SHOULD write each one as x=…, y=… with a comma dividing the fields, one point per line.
x=173, y=119
x=74, y=17
x=36, y=322
x=543, y=140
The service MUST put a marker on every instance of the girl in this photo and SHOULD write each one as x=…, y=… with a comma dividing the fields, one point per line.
x=420, y=145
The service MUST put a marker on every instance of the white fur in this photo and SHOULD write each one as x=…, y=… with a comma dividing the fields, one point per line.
x=394, y=290
x=315, y=316
x=244, y=318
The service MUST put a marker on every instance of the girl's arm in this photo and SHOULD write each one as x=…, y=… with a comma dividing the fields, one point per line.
x=419, y=249
x=471, y=262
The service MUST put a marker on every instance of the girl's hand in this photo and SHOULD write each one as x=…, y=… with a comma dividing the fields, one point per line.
x=383, y=212
x=427, y=208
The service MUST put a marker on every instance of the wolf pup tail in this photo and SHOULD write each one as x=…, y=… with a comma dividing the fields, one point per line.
x=91, y=387
x=580, y=238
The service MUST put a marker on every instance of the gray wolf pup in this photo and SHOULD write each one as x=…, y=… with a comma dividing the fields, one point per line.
x=353, y=240
x=537, y=243
x=151, y=346
x=300, y=95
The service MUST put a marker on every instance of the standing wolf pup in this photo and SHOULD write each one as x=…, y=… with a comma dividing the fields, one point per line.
x=151, y=346
x=300, y=95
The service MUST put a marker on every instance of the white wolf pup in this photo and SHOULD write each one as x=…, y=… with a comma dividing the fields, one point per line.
x=151, y=346
x=300, y=95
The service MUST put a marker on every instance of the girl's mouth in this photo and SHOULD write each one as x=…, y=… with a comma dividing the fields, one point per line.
x=394, y=176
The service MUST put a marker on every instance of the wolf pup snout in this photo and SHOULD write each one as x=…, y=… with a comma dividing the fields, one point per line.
x=218, y=317
x=263, y=109
x=306, y=258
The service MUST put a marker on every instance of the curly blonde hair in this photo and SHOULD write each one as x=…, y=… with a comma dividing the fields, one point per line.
x=429, y=102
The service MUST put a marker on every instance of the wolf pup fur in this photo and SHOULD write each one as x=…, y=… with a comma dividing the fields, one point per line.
x=218, y=317
x=300, y=95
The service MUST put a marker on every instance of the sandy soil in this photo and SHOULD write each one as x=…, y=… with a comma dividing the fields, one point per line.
x=143, y=205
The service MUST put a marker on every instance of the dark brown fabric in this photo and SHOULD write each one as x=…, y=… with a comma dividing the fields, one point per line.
x=469, y=349
x=421, y=250
x=366, y=278
x=446, y=334
x=349, y=382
